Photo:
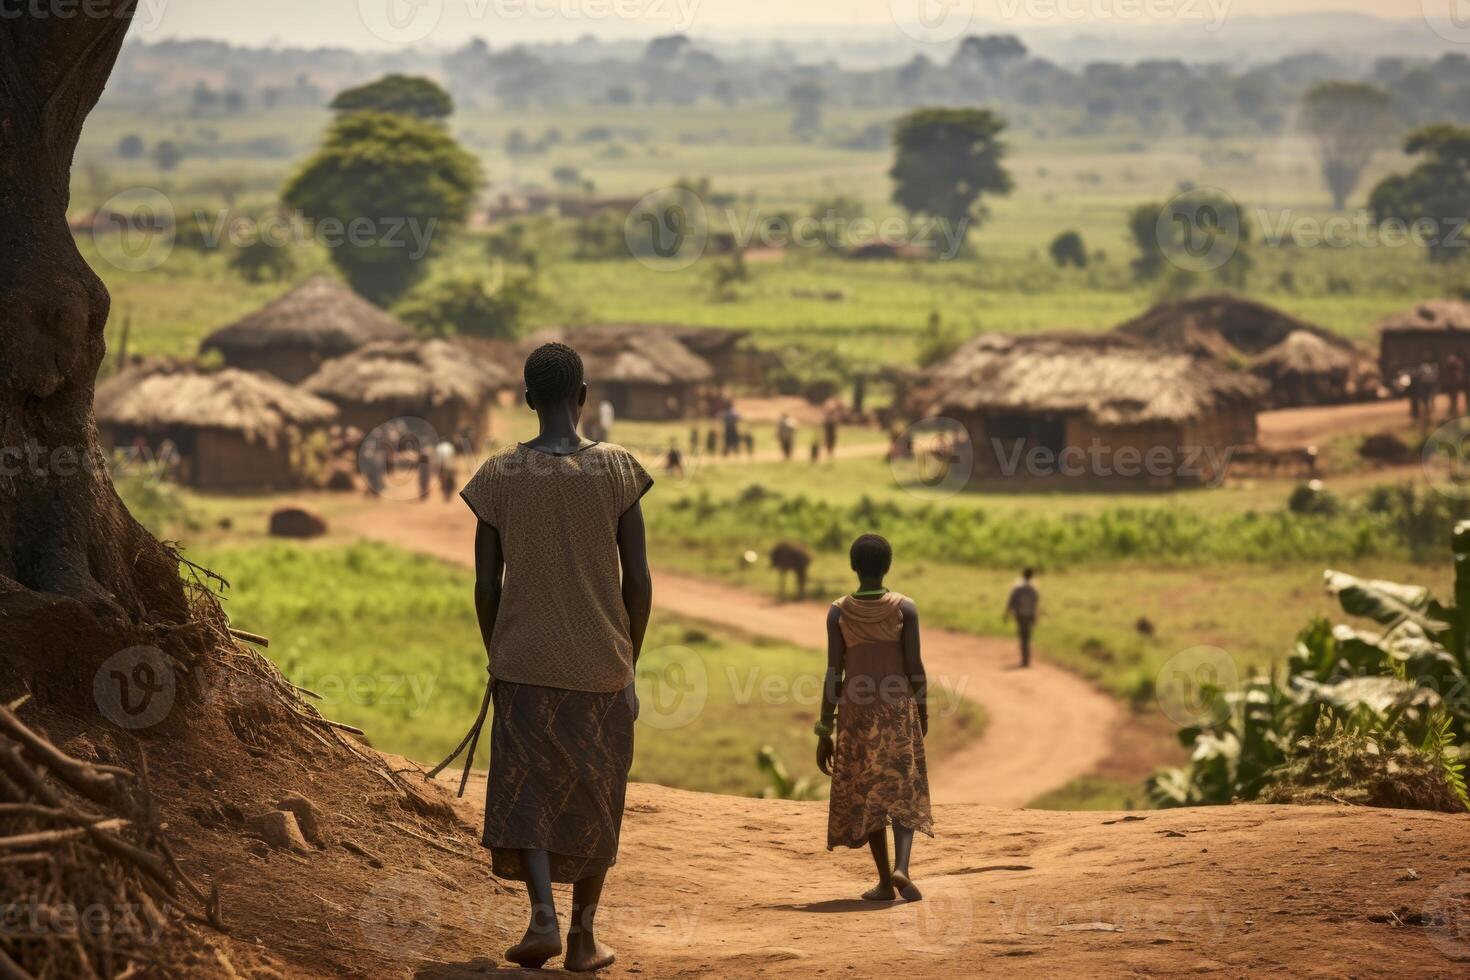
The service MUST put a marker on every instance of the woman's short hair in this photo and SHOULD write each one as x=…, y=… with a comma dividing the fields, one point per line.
x=553, y=373
x=871, y=555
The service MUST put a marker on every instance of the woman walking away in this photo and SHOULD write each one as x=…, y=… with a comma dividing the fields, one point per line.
x=563, y=594
x=875, y=697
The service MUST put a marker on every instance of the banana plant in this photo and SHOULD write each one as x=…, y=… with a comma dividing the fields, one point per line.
x=1409, y=678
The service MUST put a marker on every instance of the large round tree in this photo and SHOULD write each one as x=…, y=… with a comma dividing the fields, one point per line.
x=384, y=192
x=945, y=160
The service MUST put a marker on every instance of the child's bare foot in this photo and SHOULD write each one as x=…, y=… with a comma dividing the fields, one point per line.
x=882, y=893
x=585, y=954
x=906, y=887
x=534, y=949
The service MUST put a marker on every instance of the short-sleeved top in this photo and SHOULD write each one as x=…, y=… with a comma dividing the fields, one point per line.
x=562, y=622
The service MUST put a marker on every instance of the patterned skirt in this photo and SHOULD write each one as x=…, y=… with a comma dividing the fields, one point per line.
x=879, y=776
x=558, y=774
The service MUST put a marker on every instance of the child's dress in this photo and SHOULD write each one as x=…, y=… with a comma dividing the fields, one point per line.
x=878, y=774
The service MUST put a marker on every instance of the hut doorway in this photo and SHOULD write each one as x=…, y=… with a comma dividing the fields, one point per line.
x=1031, y=431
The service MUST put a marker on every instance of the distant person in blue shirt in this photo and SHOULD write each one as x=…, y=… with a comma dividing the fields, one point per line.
x=1023, y=605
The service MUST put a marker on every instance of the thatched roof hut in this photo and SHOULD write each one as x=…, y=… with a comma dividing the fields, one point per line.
x=1428, y=332
x=448, y=384
x=646, y=372
x=233, y=429
x=1059, y=394
x=295, y=334
x=1325, y=368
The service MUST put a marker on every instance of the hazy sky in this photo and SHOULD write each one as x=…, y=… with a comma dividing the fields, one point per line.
x=383, y=23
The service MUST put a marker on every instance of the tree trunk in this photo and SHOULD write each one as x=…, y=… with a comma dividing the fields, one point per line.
x=75, y=568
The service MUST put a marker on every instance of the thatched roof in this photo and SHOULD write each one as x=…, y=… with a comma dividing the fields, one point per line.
x=1433, y=314
x=1305, y=353
x=1223, y=326
x=631, y=354
x=161, y=396
x=320, y=314
x=1111, y=379
x=410, y=373
x=707, y=340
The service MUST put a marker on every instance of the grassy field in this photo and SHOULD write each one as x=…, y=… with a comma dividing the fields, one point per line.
x=871, y=312
x=389, y=641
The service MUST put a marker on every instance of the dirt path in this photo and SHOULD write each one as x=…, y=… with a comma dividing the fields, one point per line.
x=1046, y=726
x=731, y=887
x=1288, y=428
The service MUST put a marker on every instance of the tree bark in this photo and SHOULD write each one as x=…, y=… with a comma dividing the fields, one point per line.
x=75, y=568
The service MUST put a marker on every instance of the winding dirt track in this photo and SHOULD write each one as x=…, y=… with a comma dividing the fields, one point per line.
x=1045, y=725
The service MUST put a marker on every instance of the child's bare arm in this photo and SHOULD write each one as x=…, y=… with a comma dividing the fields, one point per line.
x=489, y=573
x=830, y=686
x=913, y=661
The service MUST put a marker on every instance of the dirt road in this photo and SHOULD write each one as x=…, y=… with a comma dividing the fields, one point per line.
x=730, y=887
x=1046, y=726
x=1289, y=428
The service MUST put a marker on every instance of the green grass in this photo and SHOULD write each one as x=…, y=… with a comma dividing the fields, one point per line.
x=389, y=640
x=1005, y=283
x=1094, y=793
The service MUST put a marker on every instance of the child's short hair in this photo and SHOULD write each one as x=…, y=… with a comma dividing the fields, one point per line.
x=553, y=373
x=871, y=555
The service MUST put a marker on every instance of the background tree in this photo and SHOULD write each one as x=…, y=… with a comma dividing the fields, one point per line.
x=468, y=305
x=945, y=160
x=1435, y=194
x=167, y=156
x=402, y=95
x=1067, y=249
x=404, y=176
x=806, y=99
x=79, y=577
x=260, y=260
x=1350, y=122
x=1199, y=232
x=131, y=147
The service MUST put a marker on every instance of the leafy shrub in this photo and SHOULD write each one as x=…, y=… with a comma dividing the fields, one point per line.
x=1350, y=703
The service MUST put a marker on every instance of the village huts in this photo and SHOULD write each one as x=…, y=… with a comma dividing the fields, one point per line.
x=232, y=430
x=1428, y=332
x=1094, y=410
x=448, y=384
x=729, y=353
x=297, y=333
x=646, y=373
x=1305, y=364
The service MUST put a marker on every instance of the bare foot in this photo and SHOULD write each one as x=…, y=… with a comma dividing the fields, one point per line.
x=882, y=893
x=906, y=887
x=535, y=949
x=585, y=954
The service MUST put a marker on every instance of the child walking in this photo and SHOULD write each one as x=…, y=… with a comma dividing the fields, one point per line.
x=874, y=703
